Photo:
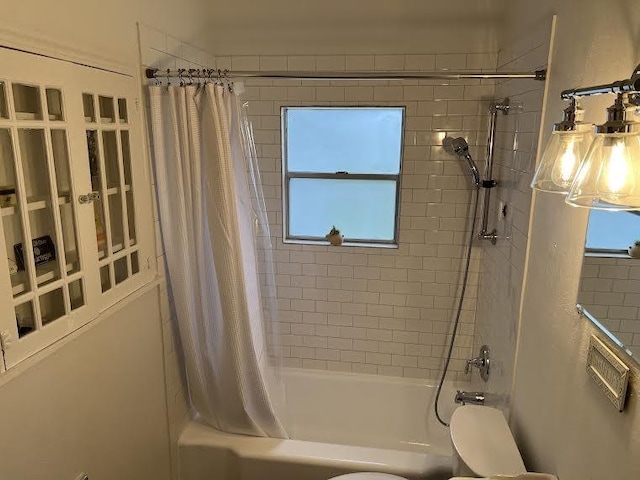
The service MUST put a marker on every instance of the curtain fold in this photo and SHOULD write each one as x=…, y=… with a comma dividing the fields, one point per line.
x=213, y=230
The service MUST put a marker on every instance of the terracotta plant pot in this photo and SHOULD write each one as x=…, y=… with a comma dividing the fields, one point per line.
x=335, y=239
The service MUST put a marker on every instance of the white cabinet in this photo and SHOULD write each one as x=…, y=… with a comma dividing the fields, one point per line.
x=77, y=224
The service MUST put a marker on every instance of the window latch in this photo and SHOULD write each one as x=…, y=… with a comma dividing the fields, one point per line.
x=89, y=198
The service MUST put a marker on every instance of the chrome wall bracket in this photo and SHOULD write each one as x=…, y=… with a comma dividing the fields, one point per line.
x=492, y=236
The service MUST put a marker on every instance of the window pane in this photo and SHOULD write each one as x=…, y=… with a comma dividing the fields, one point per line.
x=76, y=294
x=612, y=230
x=110, y=147
x=354, y=140
x=89, y=109
x=122, y=110
x=121, y=270
x=52, y=306
x=360, y=209
x=105, y=278
x=26, y=100
x=4, y=111
x=25, y=319
x=107, y=115
x=33, y=153
x=54, y=104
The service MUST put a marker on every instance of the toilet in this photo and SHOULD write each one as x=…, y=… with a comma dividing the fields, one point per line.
x=483, y=445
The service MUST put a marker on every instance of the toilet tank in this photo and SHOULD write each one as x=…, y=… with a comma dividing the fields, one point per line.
x=483, y=444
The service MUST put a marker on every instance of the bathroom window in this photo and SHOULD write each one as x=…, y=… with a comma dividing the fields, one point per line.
x=342, y=172
x=612, y=232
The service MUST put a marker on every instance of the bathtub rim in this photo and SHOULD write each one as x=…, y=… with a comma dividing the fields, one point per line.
x=286, y=451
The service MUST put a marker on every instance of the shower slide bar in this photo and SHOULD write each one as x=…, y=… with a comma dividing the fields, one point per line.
x=489, y=182
x=198, y=74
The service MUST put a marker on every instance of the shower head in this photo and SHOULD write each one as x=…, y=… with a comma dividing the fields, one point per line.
x=460, y=147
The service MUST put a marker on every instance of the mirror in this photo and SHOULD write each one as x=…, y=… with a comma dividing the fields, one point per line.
x=609, y=290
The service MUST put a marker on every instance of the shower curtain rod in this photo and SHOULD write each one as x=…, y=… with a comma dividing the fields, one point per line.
x=193, y=73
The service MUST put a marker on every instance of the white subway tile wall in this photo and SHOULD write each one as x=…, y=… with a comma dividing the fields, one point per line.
x=609, y=290
x=502, y=267
x=376, y=310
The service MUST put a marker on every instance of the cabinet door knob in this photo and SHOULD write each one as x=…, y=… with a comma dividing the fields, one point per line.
x=89, y=197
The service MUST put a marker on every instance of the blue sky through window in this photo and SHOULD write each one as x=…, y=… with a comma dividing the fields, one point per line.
x=360, y=209
x=612, y=230
x=355, y=140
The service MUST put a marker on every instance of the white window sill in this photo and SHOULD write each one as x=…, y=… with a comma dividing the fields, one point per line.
x=323, y=243
x=596, y=254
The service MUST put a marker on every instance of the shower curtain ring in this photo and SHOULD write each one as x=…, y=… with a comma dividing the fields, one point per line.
x=190, y=74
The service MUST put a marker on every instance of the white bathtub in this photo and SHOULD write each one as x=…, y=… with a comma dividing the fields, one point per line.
x=338, y=423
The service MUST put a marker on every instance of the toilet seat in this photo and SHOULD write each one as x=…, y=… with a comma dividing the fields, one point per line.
x=368, y=476
x=483, y=441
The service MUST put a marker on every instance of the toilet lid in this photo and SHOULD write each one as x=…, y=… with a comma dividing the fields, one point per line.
x=483, y=440
x=368, y=476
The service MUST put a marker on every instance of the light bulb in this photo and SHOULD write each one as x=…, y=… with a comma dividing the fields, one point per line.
x=616, y=180
x=609, y=177
x=561, y=160
x=566, y=164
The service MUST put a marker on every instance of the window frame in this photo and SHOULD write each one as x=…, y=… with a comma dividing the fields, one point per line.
x=340, y=175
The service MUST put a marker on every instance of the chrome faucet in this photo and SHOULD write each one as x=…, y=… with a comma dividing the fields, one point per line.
x=474, y=398
x=481, y=362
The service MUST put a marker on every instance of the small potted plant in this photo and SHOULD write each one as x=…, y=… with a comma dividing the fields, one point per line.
x=334, y=237
x=634, y=250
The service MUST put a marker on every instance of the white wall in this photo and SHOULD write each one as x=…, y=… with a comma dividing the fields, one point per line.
x=562, y=422
x=105, y=29
x=94, y=403
x=287, y=27
x=502, y=268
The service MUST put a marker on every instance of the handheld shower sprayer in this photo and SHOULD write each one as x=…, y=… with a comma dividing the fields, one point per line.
x=460, y=147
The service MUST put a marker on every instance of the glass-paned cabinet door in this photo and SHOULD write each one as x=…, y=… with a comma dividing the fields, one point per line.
x=68, y=199
x=45, y=270
x=116, y=166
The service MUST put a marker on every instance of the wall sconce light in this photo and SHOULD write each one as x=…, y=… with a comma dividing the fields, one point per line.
x=601, y=171
x=564, y=152
x=609, y=176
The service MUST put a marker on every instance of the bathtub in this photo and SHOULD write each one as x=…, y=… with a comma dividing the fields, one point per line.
x=338, y=423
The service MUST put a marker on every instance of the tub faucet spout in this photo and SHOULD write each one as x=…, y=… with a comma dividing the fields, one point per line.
x=473, y=398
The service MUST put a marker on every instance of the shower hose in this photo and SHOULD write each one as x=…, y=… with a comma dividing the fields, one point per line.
x=463, y=290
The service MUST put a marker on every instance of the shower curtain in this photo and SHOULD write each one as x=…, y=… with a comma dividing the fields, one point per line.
x=217, y=244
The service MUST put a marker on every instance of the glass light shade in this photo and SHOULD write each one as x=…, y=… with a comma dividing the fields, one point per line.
x=609, y=177
x=561, y=160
